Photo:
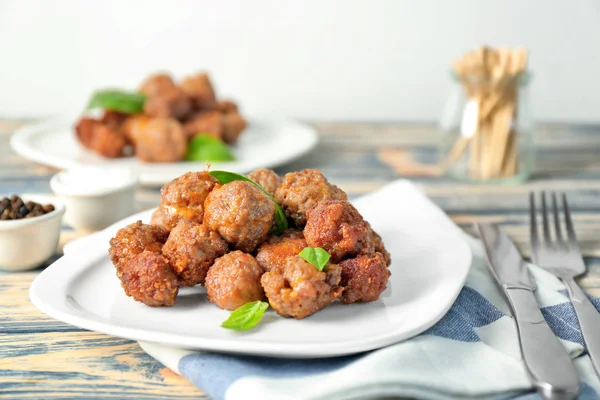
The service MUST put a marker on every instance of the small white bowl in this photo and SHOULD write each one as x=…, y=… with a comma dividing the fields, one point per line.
x=95, y=197
x=27, y=243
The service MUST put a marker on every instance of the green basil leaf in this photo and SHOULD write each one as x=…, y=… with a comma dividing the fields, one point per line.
x=204, y=147
x=118, y=100
x=316, y=256
x=246, y=317
x=225, y=177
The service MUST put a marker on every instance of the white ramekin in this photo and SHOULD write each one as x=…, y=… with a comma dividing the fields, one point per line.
x=27, y=243
x=95, y=197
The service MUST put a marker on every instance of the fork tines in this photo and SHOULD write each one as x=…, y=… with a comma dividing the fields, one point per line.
x=558, y=231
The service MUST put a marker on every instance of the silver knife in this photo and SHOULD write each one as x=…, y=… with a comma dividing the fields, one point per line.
x=547, y=362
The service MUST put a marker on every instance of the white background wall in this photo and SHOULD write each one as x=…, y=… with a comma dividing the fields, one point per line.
x=316, y=59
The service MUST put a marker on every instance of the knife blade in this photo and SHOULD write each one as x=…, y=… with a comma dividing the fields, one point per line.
x=547, y=362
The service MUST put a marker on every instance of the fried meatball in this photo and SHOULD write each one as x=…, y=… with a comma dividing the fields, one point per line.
x=210, y=122
x=233, y=126
x=134, y=239
x=298, y=289
x=267, y=178
x=149, y=279
x=133, y=125
x=200, y=91
x=158, y=218
x=226, y=106
x=364, y=278
x=157, y=84
x=183, y=197
x=161, y=140
x=336, y=226
x=171, y=103
x=300, y=191
x=241, y=213
x=378, y=245
x=113, y=118
x=234, y=280
x=84, y=130
x=277, y=249
x=191, y=249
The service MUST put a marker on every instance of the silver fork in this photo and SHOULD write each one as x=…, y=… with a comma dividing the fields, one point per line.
x=562, y=257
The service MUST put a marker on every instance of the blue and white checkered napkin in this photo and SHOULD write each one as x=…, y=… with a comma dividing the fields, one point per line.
x=471, y=353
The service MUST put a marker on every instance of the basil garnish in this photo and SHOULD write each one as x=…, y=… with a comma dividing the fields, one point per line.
x=204, y=147
x=117, y=100
x=246, y=317
x=316, y=256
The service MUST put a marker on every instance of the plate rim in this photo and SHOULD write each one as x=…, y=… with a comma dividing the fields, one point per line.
x=229, y=345
x=19, y=143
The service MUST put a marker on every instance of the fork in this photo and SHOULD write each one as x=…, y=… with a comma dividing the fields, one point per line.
x=562, y=257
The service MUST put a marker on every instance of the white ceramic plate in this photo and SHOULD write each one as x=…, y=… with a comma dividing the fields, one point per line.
x=430, y=262
x=264, y=144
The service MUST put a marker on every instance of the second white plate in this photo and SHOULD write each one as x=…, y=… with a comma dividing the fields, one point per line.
x=430, y=262
x=264, y=144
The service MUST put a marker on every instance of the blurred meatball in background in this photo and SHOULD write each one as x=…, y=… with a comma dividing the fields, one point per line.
x=160, y=140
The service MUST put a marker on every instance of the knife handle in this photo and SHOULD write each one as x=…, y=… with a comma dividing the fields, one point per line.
x=589, y=320
x=548, y=363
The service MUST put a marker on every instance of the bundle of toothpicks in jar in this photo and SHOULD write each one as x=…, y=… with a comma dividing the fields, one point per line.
x=488, y=136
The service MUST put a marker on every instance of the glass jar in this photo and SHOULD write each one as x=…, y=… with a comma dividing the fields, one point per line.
x=487, y=131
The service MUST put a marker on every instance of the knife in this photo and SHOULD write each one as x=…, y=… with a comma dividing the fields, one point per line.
x=547, y=362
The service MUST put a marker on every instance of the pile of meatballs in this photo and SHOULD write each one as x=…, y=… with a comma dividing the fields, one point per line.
x=221, y=236
x=173, y=115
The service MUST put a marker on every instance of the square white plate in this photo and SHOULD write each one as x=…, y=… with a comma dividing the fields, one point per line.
x=430, y=262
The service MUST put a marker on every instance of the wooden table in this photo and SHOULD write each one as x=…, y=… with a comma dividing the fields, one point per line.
x=43, y=358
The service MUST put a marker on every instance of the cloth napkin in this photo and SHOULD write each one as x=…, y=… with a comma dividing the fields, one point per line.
x=471, y=353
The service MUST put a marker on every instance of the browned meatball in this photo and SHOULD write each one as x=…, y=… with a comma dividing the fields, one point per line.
x=84, y=130
x=133, y=125
x=149, y=279
x=277, y=249
x=336, y=226
x=113, y=118
x=134, y=239
x=298, y=289
x=300, y=191
x=157, y=84
x=183, y=197
x=210, y=122
x=234, y=280
x=233, y=125
x=191, y=249
x=226, y=106
x=158, y=218
x=364, y=278
x=241, y=213
x=267, y=178
x=378, y=245
x=200, y=91
x=160, y=140
x=171, y=103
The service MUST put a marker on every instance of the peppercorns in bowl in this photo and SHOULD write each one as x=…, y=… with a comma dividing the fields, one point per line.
x=14, y=207
x=29, y=230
